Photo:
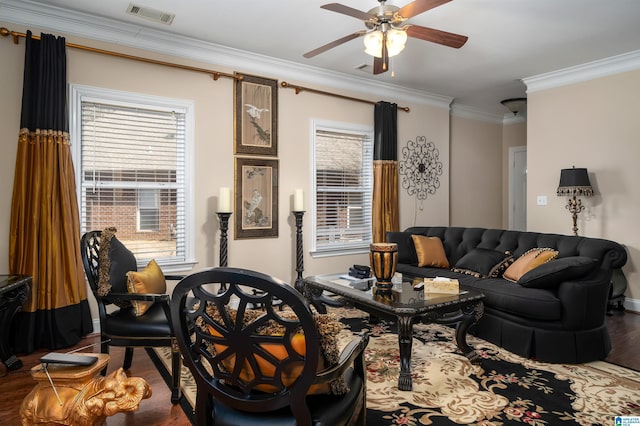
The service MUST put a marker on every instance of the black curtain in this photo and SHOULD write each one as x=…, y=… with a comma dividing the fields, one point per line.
x=44, y=236
x=385, y=213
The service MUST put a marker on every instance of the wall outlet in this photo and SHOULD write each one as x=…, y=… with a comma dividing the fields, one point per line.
x=542, y=200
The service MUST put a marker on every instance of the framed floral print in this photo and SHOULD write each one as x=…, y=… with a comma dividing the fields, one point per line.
x=256, y=115
x=256, y=197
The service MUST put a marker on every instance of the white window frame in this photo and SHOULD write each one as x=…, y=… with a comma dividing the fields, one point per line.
x=347, y=128
x=80, y=93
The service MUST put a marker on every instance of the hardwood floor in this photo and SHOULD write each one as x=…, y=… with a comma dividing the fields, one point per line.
x=158, y=410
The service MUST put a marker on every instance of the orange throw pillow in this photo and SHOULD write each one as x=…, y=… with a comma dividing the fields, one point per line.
x=289, y=374
x=528, y=261
x=430, y=251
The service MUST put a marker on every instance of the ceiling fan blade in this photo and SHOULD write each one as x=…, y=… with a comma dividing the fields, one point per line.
x=378, y=65
x=350, y=11
x=418, y=6
x=437, y=36
x=333, y=44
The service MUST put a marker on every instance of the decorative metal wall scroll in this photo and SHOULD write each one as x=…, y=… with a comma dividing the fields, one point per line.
x=420, y=168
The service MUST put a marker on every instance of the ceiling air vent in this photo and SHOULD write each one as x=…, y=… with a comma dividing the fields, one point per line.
x=151, y=14
x=364, y=68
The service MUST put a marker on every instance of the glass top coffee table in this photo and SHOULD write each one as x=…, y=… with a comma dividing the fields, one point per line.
x=405, y=305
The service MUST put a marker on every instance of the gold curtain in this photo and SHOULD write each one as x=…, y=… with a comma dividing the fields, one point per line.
x=44, y=239
x=385, y=199
x=385, y=214
x=45, y=228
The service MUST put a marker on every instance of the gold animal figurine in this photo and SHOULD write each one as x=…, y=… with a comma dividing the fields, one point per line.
x=81, y=397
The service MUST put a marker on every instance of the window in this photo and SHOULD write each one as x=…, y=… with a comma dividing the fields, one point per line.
x=148, y=210
x=131, y=153
x=343, y=186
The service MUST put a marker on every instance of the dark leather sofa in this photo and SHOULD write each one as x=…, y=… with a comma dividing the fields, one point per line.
x=563, y=322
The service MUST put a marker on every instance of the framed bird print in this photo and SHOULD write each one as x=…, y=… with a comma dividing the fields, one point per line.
x=256, y=197
x=256, y=115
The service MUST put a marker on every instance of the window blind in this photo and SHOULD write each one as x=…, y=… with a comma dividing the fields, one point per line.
x=344, y=185
x=133, y=176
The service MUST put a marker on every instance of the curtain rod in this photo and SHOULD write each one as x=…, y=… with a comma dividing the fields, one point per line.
x=215, y=74
x=299, y=89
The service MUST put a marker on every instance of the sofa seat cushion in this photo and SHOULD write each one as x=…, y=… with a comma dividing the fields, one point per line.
x=533, y=303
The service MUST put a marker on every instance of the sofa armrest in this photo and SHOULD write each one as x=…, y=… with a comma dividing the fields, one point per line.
x=584, y=302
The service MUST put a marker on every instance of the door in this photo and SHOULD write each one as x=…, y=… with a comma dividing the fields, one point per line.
x=518, y=188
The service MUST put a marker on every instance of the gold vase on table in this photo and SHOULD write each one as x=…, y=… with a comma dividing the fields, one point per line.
x=383, y=258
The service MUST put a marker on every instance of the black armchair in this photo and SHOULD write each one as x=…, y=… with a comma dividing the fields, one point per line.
x=265, y=366
x=121, y=327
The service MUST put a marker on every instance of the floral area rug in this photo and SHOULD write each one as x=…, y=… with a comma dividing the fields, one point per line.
x=504, y=389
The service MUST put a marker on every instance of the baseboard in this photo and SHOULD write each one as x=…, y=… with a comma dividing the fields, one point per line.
x=96, y=325
x=632, y=305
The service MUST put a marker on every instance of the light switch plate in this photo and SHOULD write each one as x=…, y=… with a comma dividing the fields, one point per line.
x=542, y=200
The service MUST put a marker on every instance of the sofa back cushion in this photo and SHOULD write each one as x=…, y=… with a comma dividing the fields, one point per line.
x=458, y=241
x=406, y=249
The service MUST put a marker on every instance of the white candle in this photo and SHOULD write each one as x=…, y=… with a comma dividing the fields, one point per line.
x=298, y=201
x=224, y=200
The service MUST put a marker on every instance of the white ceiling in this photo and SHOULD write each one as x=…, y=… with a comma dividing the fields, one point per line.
x=508, y=39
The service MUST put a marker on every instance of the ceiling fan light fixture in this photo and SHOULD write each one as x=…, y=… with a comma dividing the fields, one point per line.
x=396, y=40
x=373, y=43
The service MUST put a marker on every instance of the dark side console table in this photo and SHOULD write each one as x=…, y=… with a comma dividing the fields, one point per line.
x=14, y=290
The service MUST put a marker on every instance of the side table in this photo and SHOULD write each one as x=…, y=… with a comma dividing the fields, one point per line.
x=81, y=397
x=14, y=290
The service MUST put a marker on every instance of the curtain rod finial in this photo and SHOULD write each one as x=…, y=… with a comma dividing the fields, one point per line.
x=4, y=32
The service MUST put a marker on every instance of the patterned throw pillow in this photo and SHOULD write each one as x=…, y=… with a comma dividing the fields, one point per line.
x=114, y=261
x=483, y=263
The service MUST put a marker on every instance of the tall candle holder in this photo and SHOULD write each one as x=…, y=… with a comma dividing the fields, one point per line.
x=224, y=227
x=299, y=283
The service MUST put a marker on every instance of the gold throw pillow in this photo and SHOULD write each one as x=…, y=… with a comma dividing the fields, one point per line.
x=528, y=261
x=430, y=251
x=149, y=280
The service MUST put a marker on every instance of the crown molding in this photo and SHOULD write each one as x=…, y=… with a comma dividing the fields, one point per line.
x=509, y=118
x=465, y=111
x=601, y=68
x=55, y=19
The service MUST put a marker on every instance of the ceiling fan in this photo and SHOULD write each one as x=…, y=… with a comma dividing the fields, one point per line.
x=387, y=32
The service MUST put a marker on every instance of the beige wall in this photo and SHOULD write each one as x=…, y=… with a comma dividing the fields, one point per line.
x=594, y=125
x=214, y=165
x=476, y=173
x=513, y=135
x=432, y=123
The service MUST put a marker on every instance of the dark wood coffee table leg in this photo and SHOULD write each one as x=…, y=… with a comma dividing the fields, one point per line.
x=470, y=315
x=464, y=318
x=405, y=340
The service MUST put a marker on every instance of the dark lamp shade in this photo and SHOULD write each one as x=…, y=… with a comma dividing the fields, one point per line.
x=574, y=182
